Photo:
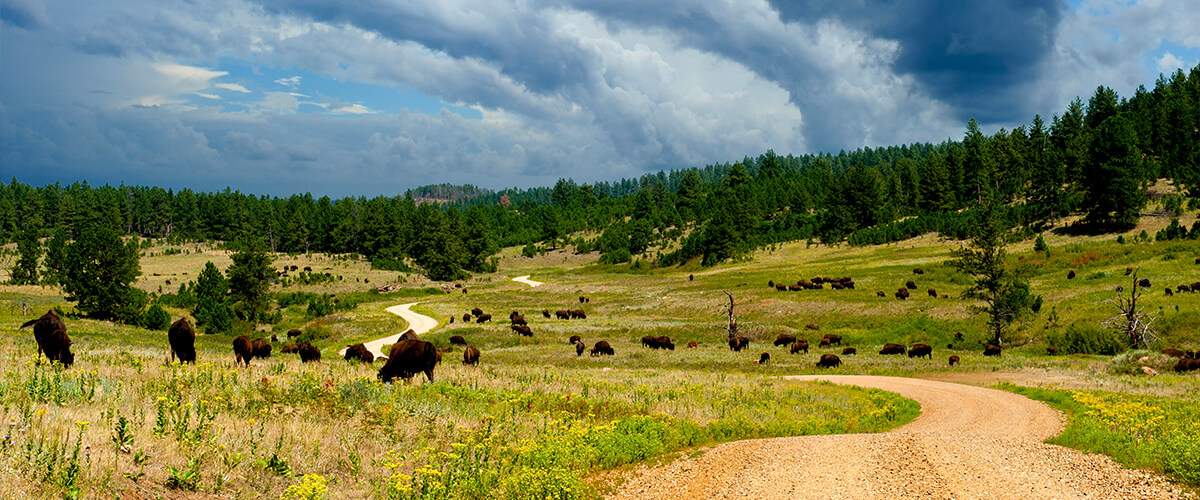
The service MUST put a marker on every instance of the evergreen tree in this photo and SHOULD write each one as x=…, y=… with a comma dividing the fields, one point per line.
x=250, y=281
x=1047, y=189
x=936, y=194
x=212, y=311
x=56, y=257
x=1115, y=188
x=29, y=255
x=99, y=273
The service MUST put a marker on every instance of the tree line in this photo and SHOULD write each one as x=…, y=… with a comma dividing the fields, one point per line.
x=1095, y=158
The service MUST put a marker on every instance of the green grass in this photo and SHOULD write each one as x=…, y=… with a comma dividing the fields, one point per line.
x=1156, y=433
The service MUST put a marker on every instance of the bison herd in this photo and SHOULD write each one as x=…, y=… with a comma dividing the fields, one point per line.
x=817, y=283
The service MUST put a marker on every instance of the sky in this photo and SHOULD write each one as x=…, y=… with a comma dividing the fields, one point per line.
x=373, y=97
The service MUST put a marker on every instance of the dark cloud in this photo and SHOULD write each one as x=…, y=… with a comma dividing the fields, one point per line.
x=28, y=14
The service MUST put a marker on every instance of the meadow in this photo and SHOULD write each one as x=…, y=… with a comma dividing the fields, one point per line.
x=534, y=419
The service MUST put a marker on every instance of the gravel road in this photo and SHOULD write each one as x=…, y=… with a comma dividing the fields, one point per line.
x=968, y=442
x=417, y=322
x=525, y=279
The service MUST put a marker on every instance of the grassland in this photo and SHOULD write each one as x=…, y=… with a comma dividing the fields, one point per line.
x=535, y=420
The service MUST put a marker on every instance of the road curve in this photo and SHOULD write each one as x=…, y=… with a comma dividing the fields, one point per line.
x=417, y=322
x=525, y=279
x=968, y=442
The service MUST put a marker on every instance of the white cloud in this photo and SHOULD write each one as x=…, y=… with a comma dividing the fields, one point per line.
x=232, y=87
x=187, y=78
x=206, y=95
x=279, y=102
x=1168, y=63
x=291, y=81
x=352, y=109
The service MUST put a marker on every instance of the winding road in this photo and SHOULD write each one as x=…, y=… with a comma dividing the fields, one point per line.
x=525, y=279
x=417, y=322
x=968, y=442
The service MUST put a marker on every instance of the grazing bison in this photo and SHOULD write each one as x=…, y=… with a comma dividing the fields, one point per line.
x=794, y=288
x=829, y=361
x=933, y=293
x=736, y=344
x=890, y=349
x=902, y=293
x=574, y=339
x=243, y=350
x=1167, y=291
x=519, y=320
x=831, y=339
x=579, y=347
x=477, y=312
x=880, y=294
x=1071, y=274
x=991, y=350
x=920, y=350
x=466, y=317
x=308, y=352
x=693, y=344
x=546, y=313
x=849, y=351
x=513, y=315
x=770, y=283
x=1144, y=283
x=471, y=356
x=799, y=345
x=50, y=333
x=408, y=358
x=562, y=314
x=359, y=352
x=784, y=339
x=289, y=348
x=602, y=348
x=522, y=330
x=1183, y=289
x=764, y=358
x=812, y=326
x=918, y=271
x=578, y=314
x=1187, y=365
x=910, y=284
x=662, y=342
x=408, y=335
x=958, y=336
x=293, y=333
x=1174, y=353
x=261, y=348
x=953, y=360
x=1052, y=351
x=483, y=318
x=451, y=320
x=182, y=338
x=457, y=340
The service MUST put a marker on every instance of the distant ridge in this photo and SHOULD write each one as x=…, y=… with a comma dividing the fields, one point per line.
x=445, y=193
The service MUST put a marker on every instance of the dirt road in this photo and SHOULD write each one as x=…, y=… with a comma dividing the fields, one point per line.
x=968, y=442
x=525, y=279
x=417, y=322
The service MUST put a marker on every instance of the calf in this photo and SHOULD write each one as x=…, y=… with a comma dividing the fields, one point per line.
x=812, y=326
x=902, y=293
x=1167, y=291
x=910, y=284
x=920, y=350
x=471, y=356
x=829, y=361
x=890, y=349
x=1071, y=274
x=693, y=344
x=466, y=317
x=880, y=294
x=953, y=360
x=784, y=339
x=764, y=358
x=799, y=345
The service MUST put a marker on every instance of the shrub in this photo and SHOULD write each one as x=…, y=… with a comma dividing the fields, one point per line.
x=1040, y=246
x=1081, y=338
x=156, y=318
x=529, y=250
x=1131, y=363
x=617, y=256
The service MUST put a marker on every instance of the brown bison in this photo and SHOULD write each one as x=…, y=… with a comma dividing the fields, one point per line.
x=933, y=293
x=182, y=338
x=953, y=360
x=799, y=345
x=579, y=347
x=471, y=356
x=359, y=352
x=849, y=351
x=793, y=288
x=770, y=283
x=289, y=348
x=991, y=350
x=693, y=277
x=1187, y=365
x=546, y=313
x=408, y=335
x=661, y=342
x=693, y=344
x=293, y=333
x=574, y=339
x=1172, y=352
x=880, y=294
x=308, y=352
x=466, y=317
x=918, y=271
x=483, y=318
x=829, y=361
x=408, y=358
x=451, y=322
x=1144, y=283
x=784, y=340
x=457, y=340
x=243, y=350
x=513, y=315
x=764, y=358
x=1052, y=351
x=1167, y=291
x=831, y=339
x=1071, y=274
x=50, y=333
x=902, y=293
x=920, y=350
x=890, y=349
x=519, y=320
x=812, y=326
x=562, y=314
x=475, y=311
x=738, y=343
x=910, y=284
x=578, y=314
x=602, y=348
x=261, y=348
x=522, y=330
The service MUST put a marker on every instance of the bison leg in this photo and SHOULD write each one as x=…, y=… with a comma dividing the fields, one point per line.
x=429, y=374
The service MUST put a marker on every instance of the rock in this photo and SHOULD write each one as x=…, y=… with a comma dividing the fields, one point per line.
x=1149, y=371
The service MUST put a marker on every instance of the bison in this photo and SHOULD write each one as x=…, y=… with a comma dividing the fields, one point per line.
x=182, y=338
x=1144, y=283
x=579, y=347
x=831, y=339
x=466, y=317
x=243, y=350
x=546, y=313
x=812, y=326
x=880, y=294
x=1167, y=291
x=562, y=314
x=910, y=284
x=358, y=352
x=408, y=335
x=308, y=352
x=574, y=339
x=662, y=342
x=293, y=333
x=829, y=361
x=764, y=358
x=918, y=271
x=920, y=350
x=902, y=293
x=849, y=351
x=1187, y=365
x=799, y=345
x=1172, y=352
x=408, y=358
x=578, y=314
x=933, y=293
x=519, y=320
x=890, y=349
x=693, y=344
x=1071, y=274
x=953, y=360
x=483, y=318
x=1052, y=351
x=738, y=343
x=50, y=333
x=522, y=330
x=602, y=348
x=477, y=312
x=261, y=348
x=457, y=340
x=784, y=339
x=991, y=350
x=471, y=356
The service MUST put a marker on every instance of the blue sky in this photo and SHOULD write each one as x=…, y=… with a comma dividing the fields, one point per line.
x=376, y=96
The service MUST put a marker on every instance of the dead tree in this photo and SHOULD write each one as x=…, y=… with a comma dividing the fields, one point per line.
x=1131, y=323
x=733, y=329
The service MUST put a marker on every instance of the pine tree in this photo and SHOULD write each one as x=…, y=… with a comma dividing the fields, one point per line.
x=936, y=194
x=56, y=257
x=1115, y=183
x=250, y=281
x=29, y=254
x=212, y=309
x=100, y=270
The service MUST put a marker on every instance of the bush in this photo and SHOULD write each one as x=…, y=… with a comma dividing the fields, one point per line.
x=1131, y=363
x=1081, y=338
x=529, y=250
x=156, y=318
x=1040, y=246
x=618, y=256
